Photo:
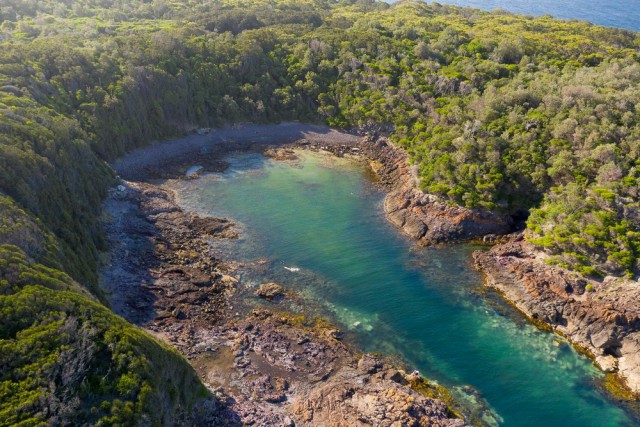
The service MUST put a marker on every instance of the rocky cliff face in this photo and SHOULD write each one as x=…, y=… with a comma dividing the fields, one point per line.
x=424, y=217
x=602, y=318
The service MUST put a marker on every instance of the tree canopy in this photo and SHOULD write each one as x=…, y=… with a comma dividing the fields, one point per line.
x=502, y=112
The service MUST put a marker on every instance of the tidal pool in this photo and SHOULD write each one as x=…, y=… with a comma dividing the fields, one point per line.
x=318, y=226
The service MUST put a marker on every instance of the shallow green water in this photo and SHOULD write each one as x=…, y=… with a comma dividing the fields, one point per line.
x=426, y=306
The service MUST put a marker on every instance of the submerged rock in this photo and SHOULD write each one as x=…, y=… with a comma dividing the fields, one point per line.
x=605, y=322
x=280, y=154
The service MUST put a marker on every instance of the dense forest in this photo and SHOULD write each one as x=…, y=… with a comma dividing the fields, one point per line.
x=532, y=117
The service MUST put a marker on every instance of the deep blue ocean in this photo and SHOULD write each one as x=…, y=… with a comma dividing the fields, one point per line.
x=614, y=13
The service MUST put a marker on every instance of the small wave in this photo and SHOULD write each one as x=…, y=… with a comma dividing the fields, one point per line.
x=292, y=269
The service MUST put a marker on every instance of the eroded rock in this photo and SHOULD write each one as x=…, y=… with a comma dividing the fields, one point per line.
x=605, y=321
x=270, y=291
x=322, y=381
x=422, y=216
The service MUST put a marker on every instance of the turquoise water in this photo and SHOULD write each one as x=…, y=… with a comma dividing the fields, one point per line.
x=425, y=306
x=616, y=13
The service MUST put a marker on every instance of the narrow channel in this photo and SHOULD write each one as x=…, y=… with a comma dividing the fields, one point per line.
x=321, y=217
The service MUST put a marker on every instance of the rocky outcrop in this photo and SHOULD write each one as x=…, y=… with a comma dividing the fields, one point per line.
x=424, y=217
x=270, y=291
x=602, y=318
x=285, y=374
x=159, y=269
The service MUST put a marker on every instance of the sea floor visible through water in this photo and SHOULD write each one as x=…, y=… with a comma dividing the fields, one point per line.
x=315, y=226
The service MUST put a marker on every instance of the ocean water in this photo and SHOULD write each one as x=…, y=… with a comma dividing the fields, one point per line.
x=615, y=13
x=321, y=218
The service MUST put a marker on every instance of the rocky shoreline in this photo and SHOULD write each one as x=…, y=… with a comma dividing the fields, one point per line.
x=263, y=367
x=171, y=159
x=602, y=318
x=424, y=217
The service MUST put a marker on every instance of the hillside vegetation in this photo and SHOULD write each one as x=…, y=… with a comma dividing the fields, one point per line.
x=500, y=112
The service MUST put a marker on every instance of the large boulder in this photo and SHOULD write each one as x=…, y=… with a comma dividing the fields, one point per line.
x=269, y=291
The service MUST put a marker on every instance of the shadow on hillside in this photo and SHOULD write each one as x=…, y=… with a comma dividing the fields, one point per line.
x=172, y=158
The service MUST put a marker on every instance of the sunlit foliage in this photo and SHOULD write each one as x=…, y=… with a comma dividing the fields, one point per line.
x=500, y=112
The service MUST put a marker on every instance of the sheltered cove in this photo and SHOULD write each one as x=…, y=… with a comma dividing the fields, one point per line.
x=162, y=278
x=203, y=299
